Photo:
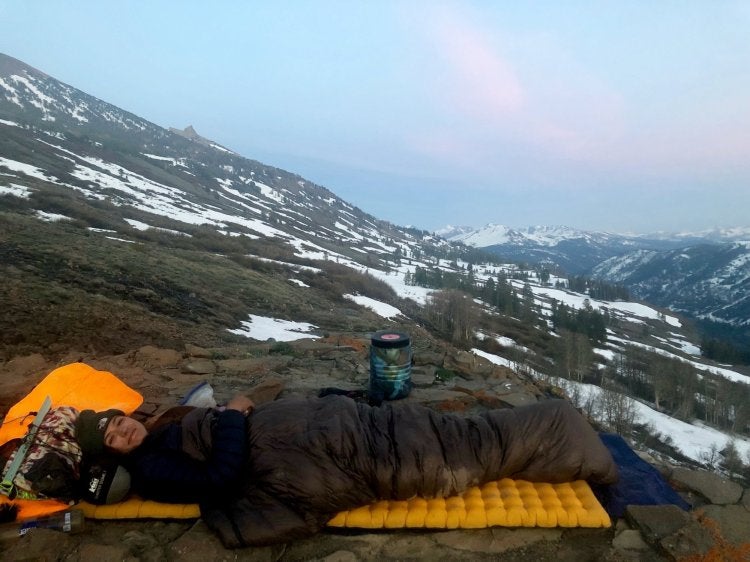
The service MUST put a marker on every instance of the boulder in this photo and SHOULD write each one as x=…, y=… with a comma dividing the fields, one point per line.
x=656, y=521
x=150, y=356
x=733, y=522
x=200, y=367
x=712, y=486
x=197, y=351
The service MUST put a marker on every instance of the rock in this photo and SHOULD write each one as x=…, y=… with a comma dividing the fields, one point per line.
x=422, y=380
x=150, y=356
x=691, y=540
x=733, y=522
x=155, y=554
x=518, y=399
x=105, y=552
x=671, y=529
x=332, y=352
x=199, y=544
x=629, y=540
x=437, y=395
x=25, y=366
x=499, y=373
x=341, y=556
x=138, y=541
x=423, y=358
x=131, y=375
x=656, y=521
x=407, y=547
x=19, y=375
x=746, y=499
x=43, y=545
x=201, y=367
x=316, y=347
x=482, y=366
x=712, y=486
x=495, y=540
x=247, y=366
x=461, y=361
x=180, y=381
x=647, y=457
x=197, y=351
x=266, y=391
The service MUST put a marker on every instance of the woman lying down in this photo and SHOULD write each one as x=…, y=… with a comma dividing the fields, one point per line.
x=282, y=470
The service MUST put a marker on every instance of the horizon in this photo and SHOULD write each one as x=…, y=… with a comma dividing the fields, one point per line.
x=624, y=119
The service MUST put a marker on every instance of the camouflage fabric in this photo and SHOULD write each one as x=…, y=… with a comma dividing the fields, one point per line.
x=51, y=467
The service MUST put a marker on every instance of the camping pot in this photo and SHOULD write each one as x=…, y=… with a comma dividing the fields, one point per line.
x=390, y=366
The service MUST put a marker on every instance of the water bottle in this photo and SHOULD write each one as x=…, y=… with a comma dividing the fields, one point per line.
x=71, y=521
x=390, y=366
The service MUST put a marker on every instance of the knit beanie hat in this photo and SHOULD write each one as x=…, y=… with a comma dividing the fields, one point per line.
x=90, y=428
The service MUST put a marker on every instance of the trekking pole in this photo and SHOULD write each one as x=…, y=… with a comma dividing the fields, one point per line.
x=71, y=521
x=6, y=486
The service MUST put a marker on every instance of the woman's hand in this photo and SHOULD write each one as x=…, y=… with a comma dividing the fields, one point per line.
x=240, y=403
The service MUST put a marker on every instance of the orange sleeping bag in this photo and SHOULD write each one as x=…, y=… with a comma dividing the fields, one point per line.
x=77, y=385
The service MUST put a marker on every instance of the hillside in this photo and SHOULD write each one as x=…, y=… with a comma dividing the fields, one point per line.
x=713, y=277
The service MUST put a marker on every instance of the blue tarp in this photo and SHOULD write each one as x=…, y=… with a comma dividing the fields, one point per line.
x=639, y=484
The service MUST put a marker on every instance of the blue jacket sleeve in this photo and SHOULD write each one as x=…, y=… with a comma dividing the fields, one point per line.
x=169, y=475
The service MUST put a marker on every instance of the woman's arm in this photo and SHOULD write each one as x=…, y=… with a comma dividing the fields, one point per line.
x=173, y=476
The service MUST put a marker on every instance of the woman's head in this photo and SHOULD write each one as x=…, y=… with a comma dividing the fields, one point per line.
x=123, y=434
x=110, y=429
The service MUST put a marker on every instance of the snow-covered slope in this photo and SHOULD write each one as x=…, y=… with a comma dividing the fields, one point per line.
x=54, y=137
x=705, y=281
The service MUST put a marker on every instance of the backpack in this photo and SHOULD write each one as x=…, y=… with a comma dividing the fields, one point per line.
x=51, y=466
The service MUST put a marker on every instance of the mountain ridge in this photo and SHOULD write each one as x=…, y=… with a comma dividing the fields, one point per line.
x=154, y=162
x=715, y=275
x=651, y=266
x=493, y=234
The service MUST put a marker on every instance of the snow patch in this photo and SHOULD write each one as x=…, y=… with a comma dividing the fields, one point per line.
x=15, y=190
x=51, y=217
x=263, y=328
x=380, y=308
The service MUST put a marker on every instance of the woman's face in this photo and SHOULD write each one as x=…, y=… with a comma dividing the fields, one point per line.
x=123, y=434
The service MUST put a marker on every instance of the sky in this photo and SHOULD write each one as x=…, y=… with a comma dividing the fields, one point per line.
x=629, y=117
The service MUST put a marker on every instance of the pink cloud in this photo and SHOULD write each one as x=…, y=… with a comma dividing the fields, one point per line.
x=549, y=105
x=483, y=83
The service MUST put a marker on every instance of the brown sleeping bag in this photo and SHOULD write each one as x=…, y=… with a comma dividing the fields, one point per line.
x=311, y=458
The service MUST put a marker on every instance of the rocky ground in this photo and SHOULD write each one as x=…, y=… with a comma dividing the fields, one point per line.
x=445, y=379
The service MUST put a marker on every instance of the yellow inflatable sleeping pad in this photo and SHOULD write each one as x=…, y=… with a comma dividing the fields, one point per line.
x=137, y=508
x=505, y=503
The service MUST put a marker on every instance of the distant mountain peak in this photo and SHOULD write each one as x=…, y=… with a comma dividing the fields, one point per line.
x=191, y=134
x=493, y=234
x=188, y=132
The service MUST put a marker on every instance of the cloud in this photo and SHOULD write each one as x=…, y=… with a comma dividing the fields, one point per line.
x=483, y=82
x=533, y=106
x=495, y=92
